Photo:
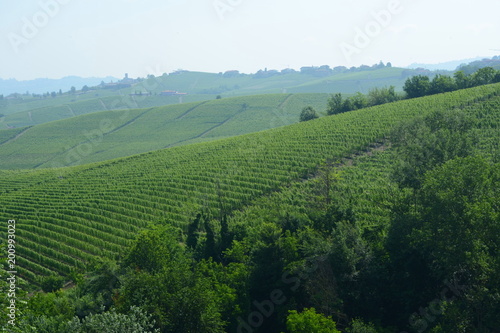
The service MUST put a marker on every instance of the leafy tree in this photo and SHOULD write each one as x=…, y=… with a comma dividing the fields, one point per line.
x=136, y=321
x=155, y=248
x=308, y=113
x=358, y=326
x=359, y=101
x=192, y=233
x=483, y=76
x=496, y=79
x=462, y=80
x=456, y=233
x=458, y=221
x=73, y=90
x=417, y=86
x=378, y=96
x=85, y=88
x=334, y=104
x=309, y=321
x=347, y=105
x=52, y=283
x=441, y=84
x=427, y=142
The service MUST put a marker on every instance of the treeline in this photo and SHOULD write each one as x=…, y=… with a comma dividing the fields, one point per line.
x=420, y=85
x=416, y=86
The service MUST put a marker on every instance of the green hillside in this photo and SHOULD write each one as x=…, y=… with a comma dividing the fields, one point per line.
x=104, y=135
x=68, y=216
x=27, y=110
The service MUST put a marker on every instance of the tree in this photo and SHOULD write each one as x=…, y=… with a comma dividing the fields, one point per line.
x=426, y=142
x=359, y=101
x=462, y=81
x=483, y=76
x=53, y=94
x=308, y=113
x=154, y=249
x=136, y=321
x=496, y=79
x=85, y=88
x=52, y=283
x=378, y=96
x=458, y=223
x=309, y=321
x=73, y=90
x=334, y=104
x=417, y=86
x=441, y=84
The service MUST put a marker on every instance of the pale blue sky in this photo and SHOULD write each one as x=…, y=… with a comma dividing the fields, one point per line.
x=111, y=37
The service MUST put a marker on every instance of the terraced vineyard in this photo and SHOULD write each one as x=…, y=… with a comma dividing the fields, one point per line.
x=68, y=216
x=104, y=135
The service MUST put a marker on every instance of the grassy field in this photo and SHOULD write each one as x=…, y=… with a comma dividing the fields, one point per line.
x=66, y=217
x=111, y=134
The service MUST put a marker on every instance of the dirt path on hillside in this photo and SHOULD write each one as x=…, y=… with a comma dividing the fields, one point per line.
x=189, y=110
x=15, y=137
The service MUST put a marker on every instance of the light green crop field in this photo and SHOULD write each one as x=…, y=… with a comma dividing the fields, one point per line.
x=111, y=134
x=67, y=217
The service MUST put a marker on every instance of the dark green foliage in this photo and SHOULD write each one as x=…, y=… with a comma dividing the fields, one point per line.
x=192, y=234
x=308, y=113
x=154, y=249
x=453, y=231
x=358, y=326
x=51, y=283
x=427, y=142
x=417, y=86
x=378, y=96
x=483, y=76
x=135, y=321
x=496, y=79
x=334, y=104
x=441, y=84
x=462, y=80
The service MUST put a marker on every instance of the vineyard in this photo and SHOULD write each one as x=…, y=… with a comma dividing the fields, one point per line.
x=67, y=217
x=29, y=111
x=104, y=135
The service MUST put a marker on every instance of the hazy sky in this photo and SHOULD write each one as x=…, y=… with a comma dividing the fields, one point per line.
x=56, y=38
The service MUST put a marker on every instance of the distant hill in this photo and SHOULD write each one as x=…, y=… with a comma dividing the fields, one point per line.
x=40, y=86
x=449, y=65
x=184, y=86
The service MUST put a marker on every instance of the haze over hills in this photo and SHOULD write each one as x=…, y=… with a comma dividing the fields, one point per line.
x=41, y=86
x=452, y=65
x=185, y=86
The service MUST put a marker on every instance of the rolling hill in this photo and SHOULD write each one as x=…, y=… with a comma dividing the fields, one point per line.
x=25, y=110
x=111, y=134
x=67, y=217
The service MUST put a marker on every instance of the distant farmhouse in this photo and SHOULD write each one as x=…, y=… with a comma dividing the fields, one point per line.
x=171, y=93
